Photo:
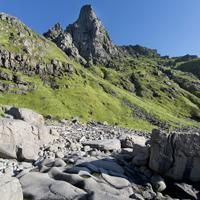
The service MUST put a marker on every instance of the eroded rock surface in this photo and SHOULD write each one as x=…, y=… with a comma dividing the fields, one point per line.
x=10, y=188
x=86, y=38
x=176, y=155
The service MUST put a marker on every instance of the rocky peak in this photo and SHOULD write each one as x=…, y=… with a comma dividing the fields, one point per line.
x=8, y=18
x=87, y=15
x=91, y=38
x=54, y=32
x=86, y=39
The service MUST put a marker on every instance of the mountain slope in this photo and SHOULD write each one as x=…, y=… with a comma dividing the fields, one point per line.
x=137, y=89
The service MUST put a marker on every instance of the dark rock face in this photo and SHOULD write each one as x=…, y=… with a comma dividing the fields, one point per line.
x=91, y=38
x=30, y=66
x=63, y=40
x=176, y=155
x=88, y=41
x=86, y=38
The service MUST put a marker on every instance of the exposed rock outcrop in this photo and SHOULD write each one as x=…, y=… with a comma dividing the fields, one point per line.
x=176, y=155
x=63, y=40
x=137, y=51
x=87, y=38
x=30, y=66
x=91, y=38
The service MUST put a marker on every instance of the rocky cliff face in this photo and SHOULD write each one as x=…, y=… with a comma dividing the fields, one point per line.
x=63, y=40
x=86, y=38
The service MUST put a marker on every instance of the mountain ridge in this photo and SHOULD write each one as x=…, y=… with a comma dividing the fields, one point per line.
x=136, y=87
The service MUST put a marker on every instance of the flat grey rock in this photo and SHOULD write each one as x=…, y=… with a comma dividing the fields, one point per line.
x=106, y=144
x=116, y=181
x=41, y=187
x=10, y=188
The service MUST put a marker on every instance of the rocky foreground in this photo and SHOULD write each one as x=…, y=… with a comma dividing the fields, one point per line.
x=50, y=160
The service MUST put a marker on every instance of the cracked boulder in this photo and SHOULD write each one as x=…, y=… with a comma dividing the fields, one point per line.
x=176, y=155
x=21, y=140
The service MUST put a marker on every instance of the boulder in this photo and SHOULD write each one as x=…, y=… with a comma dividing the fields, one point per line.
x=10, y=188
x=158, y=183
x=26, y=115
x=42, y=187
x=140, y=149
x=176, y=155
x=20, y=140
x=115, y=181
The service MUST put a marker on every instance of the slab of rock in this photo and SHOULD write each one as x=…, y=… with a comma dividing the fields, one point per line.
x=176, y=155
x=10, y=188
x=116, y=181
x=19, y=139
x=103, y=190
x=42, y=187
x=26, y=115
x=104, y=145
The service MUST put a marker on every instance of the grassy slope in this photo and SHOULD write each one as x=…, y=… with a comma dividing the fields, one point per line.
x=99, y=93
x=81, y=95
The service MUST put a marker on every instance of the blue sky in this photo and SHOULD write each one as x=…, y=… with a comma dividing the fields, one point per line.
x=171, y=26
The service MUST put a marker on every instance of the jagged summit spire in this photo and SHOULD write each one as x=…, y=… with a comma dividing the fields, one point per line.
x=87, y=36
x=91, y=38
x=87, y=13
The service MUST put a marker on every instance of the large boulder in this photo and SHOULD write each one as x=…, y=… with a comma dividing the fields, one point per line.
x=19, y=139
x=176, y=155
x=41, y=187
x=10, y=188
x=26, y=115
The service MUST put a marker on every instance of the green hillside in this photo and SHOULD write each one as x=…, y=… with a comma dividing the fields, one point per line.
x=142, y=93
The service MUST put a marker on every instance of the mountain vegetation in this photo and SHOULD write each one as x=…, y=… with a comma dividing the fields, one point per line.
x=78, y=71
